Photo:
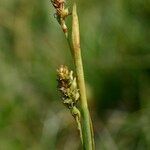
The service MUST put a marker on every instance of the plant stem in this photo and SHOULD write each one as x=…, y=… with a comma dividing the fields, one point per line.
x=78, y=121
x=85, y=124
x=87, y=128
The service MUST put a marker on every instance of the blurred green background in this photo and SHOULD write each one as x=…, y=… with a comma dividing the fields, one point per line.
x=115, y=41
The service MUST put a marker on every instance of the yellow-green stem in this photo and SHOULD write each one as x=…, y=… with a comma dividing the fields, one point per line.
x=78, y=121
x=87, y=132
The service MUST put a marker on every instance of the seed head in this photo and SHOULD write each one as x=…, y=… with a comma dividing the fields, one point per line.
x=61, y=13
x=67, y=86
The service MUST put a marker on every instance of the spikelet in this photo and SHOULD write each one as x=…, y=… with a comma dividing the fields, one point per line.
x=69, y=94
x=67, y=86
x=61, y=13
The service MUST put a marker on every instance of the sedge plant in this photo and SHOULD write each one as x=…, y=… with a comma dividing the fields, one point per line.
x=72, y=89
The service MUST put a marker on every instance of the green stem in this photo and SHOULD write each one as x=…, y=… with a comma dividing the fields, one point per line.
x=87, y=132
x=87, y=141
x=78, y=121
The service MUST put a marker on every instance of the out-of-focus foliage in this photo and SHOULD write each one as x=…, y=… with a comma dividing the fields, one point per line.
x=115, y=39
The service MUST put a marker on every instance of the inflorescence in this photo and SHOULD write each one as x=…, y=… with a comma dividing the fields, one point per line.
x=61, y=14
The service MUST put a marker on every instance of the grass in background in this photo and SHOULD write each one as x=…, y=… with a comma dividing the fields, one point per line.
x=116, y=47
